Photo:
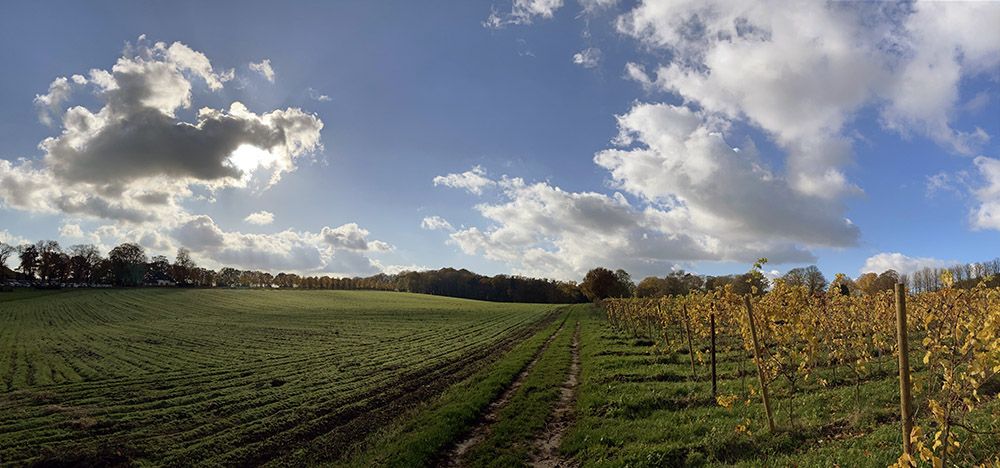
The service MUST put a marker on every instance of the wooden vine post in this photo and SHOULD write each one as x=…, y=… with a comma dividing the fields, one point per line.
x=712, y=327
x=905, y=401
x=760, y=365
x=687, y=330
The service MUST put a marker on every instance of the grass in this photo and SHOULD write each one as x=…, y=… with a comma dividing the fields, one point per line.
x=639, y=406
x=349, y=378
x=509, y=443
x=422, y=437
x=231, y=377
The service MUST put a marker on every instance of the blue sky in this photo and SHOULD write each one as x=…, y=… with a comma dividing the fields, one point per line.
x=389, y=116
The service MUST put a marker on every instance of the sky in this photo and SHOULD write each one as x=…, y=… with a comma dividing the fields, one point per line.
x=534, y=137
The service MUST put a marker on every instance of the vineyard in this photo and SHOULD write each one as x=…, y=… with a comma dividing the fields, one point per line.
x=231, y=377
x=788, y=346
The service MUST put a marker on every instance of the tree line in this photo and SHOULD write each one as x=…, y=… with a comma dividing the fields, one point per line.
x=47, y=264
x=601, y=283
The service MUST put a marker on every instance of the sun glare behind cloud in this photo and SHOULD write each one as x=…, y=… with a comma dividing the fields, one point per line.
x=248, y=158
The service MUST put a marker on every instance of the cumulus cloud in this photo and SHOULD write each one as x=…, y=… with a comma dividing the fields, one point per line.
x=50, y=103
x=396, y=269
x=678, y=158
x=800, y=74
x=133, y=160
x=473, y=180
x=11, y=239
x=903, y=264
x=342, y=250
x=797, y=73
x=436, y=223
x=587, y=58
x=522, y=12
x=540, y=229
x=946, y=42
x=697, y=199
x=264, y=68
x=71, y=230
x=987, y=214
x=260, y=218
x=352, y=237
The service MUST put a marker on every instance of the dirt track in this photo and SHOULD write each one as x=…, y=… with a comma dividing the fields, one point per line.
x=478, y=433
x=546, y=446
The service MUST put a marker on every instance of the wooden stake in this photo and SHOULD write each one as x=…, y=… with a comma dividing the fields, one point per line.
x=712, y=322
x=760, y=365
x=905, y=401
x=687, y=330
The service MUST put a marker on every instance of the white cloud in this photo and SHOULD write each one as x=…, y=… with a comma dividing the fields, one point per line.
x=542, y=230
x=987, y=214
x=184, y=58
x=132, y=160
x=677, y=158
x=473, y=180
x=317, y=96
x=594, y=6
x=264, y=68
x=901, y=263
x=637, y=72
x=798, y=73
x=523, y=12
x=957, y=183
x=12, y=239
x=71, y=230
x=396, y=269
x=50, y=104
x=587, y=58
x=260, y=218
x=946, y=42
x=341, y=251
x=435, y=223
x=699, y=200
x=801, y=74
x=352, y=237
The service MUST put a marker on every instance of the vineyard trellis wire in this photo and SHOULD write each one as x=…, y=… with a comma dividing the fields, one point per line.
x=954, y=333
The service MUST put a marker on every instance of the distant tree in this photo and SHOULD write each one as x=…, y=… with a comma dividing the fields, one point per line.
x=157, y=269
x=82, y=262
x=6, y=250
x=50, y=262
x=28, y=256
x=651, y=286
x=183, y=266
x=103, y=272
x=128, y=264
x=677, y=283
x=228, y=277
x=602, y=283
x=810, y=277
x=866, y=283
x=625, y=286
x=886, y=281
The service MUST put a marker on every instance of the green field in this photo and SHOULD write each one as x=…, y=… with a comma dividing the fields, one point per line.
x=350, y=378
x=231, y=377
